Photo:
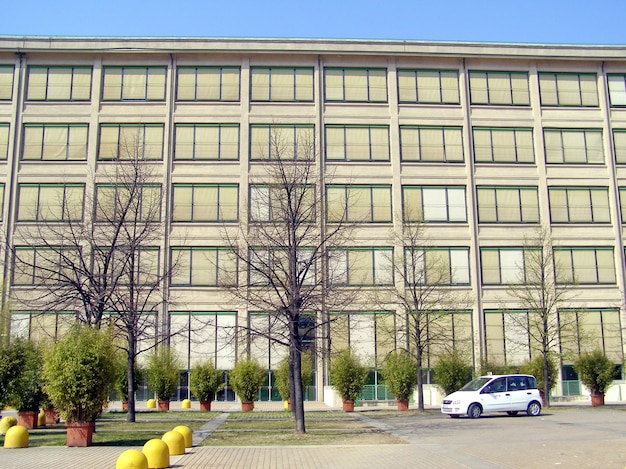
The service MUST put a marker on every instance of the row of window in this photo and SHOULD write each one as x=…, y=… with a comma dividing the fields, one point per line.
x=351, y=143
x=363, y=266
x=351, y=203
x=296, y=84
x=372, y=334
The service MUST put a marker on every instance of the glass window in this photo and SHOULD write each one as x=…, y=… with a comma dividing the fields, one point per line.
x=357, y=143
x=55, y=142
x=280, y=203
x=568, y=89
x=508, y=204
x=6, y=82
x=508, y=266
x=133, y=83
x=4, y=141
x=592, y=329
x=141, y=202
x=426, y=144
x=500, y=88
x=204, y=266
x=574, y=146
x=436, y=266
x=356, y=84
x=282, y=142
x=58, y=83
x=205, y=202
x=42, y=265
x=507, y=337
x=272, y=266
x=282, y=84
x=501, y=145
x=1, y=201
x=207, y=83
x=361, y=266
x=584, y=265
x=579, y=204
x=130, y=142
x=617, y=89
x=50, y=202
x=207, y=142
x=619, y=141
x=428, y=86
x=358, y=204
x=434, y=204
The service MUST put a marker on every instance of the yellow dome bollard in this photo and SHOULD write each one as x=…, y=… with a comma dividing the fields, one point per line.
x=16, y=437
x=175, y=442
x=186, y=433
x=151, y=404
x=157, y=453
x=41, y=419
x=7, y=422
x=185, y=404
x=132, y=459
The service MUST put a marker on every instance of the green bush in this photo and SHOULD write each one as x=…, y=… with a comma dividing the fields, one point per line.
x=535, y=367
x=487, y=368
x=121, y=382
x=205, y=381
x=79, y=373
x=21, y=364
x=400, y=374
x=281, y=375
x=246, y=378
x=163, y=373
x=595, y=370
x=347, y=375
x=452, y=372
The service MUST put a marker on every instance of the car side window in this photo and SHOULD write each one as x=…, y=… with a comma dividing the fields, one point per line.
x=498, y=385
x=512, y=383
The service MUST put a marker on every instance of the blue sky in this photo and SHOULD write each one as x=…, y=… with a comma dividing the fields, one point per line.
x=526, y=21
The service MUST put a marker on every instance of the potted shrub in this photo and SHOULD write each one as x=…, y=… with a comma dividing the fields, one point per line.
x=246, y=378
x=348, y=377
x=281, y=377
x=121, y=383
x=79, y=373
x=451, y=372
x=163, y=375
x=596, y=372
x=24, y=387
x=49, y=411
x=204, y=382
x=400, y=374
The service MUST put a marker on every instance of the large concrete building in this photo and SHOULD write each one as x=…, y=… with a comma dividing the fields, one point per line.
x=488, y=143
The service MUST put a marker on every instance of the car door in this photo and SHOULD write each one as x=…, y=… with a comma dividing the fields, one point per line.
x=495, y=397
x=518, y=392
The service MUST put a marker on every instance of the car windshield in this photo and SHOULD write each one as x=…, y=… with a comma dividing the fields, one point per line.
x=475, y=384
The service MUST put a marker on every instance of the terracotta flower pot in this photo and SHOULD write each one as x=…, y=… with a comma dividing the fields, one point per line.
x=79, y=434
x=164, y=406
x=247, y=406
x=597, y=399
x=51, y=416
x=124, y=405
x=403, y=404
x=205, y=406
x=348, y=406
x=27, y=418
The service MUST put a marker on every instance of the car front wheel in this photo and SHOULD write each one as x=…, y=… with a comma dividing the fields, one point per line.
x=474, y=411
x=534, y=409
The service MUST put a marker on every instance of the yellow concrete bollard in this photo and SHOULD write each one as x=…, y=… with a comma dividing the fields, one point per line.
x=16, y=437
x=41, y=419
x=185, y=404
x=175, y=442
x=7, y=422
x=186, y=433
x=157, y=453
x=151, y=404
x=132, y=459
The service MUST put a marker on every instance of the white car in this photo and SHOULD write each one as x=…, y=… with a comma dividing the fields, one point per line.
x=497, y=393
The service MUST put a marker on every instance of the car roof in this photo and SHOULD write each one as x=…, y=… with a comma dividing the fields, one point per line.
x=502, y=376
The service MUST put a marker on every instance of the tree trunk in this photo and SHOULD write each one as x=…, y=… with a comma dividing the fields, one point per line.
x=130, y=375
x=546, y=384
x=420, y=381
x=297, y=398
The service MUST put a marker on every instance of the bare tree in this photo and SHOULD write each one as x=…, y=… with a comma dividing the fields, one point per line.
x=103, y=265
x=430, y=292
x=541, y=292
x=284, y=251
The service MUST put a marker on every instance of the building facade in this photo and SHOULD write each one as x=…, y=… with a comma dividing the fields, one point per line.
x=486, y=144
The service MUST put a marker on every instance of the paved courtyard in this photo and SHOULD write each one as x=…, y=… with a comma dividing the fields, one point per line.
x=562, y=437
